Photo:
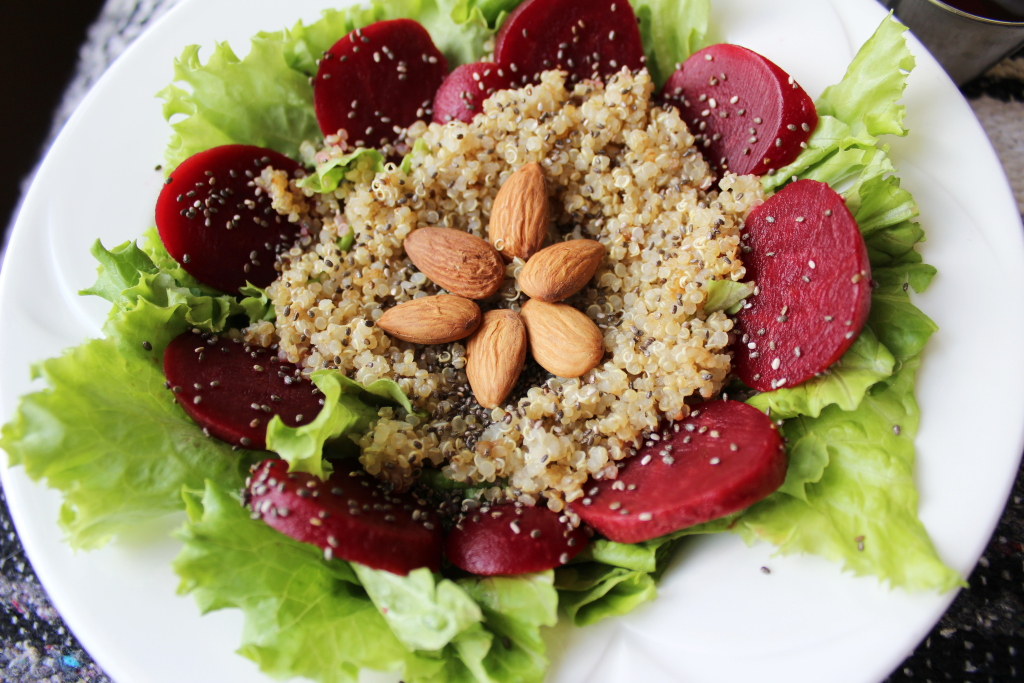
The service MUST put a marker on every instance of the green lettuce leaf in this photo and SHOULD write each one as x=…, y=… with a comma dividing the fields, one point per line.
x=419, y=148
x=256, y=303
x=900, y=325
x=120, y=268
x=258, y=100
x=328, y=175
x=861, y=509
x=671, y=31
x=345, y=243
x=609, y=579
x=423, y=613
x=594, y=591
x=106, y=432
x=515, y=608
x=349, y=409
x=854, y=112
x=865, y=363
x=304, y=615
x=868, y=96
x=343, y=413
x=725, y=295
x=322, y=619
x=849, y=474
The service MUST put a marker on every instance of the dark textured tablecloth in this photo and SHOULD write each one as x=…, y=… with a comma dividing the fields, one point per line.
x=979, y=640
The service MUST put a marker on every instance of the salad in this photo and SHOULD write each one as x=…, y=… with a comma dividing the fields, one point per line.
x=155, y=297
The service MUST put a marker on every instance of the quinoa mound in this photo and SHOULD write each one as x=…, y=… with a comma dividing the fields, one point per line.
x=618, y=169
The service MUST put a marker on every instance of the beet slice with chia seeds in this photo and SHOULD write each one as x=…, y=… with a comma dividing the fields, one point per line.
x=586, y=38
x=351, y=516
x=378, y=78
x=810, y=263
x=723, y=458
x=232, y=390
x=462, y=95
x=513, y=540
x=748, y=115
x=214, y=222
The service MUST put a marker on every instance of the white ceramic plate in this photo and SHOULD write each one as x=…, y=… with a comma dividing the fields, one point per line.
x=718, y=618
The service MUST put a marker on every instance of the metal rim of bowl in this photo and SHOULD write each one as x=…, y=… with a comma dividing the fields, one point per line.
x=975, y=17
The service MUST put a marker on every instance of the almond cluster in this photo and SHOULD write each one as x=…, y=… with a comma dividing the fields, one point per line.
x=563, y=340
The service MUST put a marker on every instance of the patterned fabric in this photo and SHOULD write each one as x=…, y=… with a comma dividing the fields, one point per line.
x=974, y=641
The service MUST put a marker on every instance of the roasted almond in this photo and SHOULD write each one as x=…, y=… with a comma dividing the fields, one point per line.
x=495, y=355
x=519, y=215
x=564, y=341
x=432, y=319
x=561, y=270
x=461, y=263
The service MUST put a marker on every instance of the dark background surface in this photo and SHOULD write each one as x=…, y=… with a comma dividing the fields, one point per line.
x=979, y=640
x=41, y=51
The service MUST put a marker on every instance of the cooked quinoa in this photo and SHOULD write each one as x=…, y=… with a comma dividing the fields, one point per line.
x=618, y=170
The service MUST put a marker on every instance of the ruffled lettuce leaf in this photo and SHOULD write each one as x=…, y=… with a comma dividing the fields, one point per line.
x=671, y=31
x=609, y=579
x=349, y=409
x=307, y=616
x=328, y=175
x=865, y=363
x=844, y=152
x=105, y=431
x=858, y=504
x=508, y=646
x=119, y=269
x=256, y=303
x=258, y=100
x=848, y=493
x=855, y=111
x=899, y=324
x=868, y=96
x=423, y=613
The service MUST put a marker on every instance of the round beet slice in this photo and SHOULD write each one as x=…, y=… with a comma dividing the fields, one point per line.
x=214, y=223
x=723, y=458
x=512, y=540
x=586, y=38
x=462, y=95
x=232, y=390
x=350, y=516
x=810, y=263
x=376, y=79
x=748, y=115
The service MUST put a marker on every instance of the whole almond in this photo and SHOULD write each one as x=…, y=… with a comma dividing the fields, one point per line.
x=432, y=319
x=519, y=215
x=561, y=270
x=564, y=341
x=461, y=263
x=495, y=355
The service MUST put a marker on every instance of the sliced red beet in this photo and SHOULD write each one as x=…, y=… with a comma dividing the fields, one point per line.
x=350, y=516
x=721, y=459
x=810, y=262
x=748, y=115
x=587, y=38
x=462, y=95
x=232, y=390
x=377, y=78
x=213, y=222
x=511, y=540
